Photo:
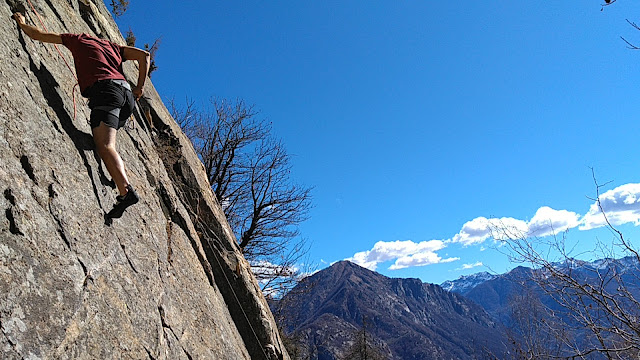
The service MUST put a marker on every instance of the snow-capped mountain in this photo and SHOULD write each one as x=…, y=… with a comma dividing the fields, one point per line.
x=621, y=265
x=465, y=283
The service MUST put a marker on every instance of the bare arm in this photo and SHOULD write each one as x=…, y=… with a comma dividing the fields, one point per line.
x=35, y=33
x=132, y=53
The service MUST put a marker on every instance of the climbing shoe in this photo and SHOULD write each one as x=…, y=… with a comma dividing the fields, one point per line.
x=123, y=202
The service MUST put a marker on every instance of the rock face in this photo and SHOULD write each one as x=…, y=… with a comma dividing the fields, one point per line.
x=167, y=280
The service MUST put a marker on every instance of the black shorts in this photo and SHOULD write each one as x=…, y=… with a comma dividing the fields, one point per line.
x=110, y=103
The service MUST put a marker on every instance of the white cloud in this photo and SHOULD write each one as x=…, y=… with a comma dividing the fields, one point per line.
x=409, y=254
x=548, y=221
x=621, y=205
x=406, y=253
x=420, y=259
x=474, y=232
x=470, y=266
x=480, y=229
x=545, y=222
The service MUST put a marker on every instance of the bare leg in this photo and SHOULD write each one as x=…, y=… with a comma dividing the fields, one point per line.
x=105, y=140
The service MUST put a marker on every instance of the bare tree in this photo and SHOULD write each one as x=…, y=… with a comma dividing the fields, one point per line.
x=224, y=140
x=535, y=332
x=295, y=346
x=250, y=175
x=276, y=204
x=152, y=49
x=602, y=304
x=300, y=344
x=185, y=116
x=630, y=45
x=303, y=345
x=119, y=7
x=130, y=38
x=363, y=347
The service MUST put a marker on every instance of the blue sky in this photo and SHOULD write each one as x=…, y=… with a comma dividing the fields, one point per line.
x=411, y=119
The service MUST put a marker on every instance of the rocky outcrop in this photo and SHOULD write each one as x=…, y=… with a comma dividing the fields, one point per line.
x=167, y=280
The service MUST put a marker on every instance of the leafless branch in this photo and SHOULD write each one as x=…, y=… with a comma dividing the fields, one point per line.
x=250, y=175
x=600, y=302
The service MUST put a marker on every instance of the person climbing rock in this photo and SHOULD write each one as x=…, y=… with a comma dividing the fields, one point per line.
x=98, y=66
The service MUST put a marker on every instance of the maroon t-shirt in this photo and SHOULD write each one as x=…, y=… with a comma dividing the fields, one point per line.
x=95, y=59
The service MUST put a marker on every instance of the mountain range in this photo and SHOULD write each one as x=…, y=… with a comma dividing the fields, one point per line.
x=478, y=316
x=465, y=284
x=561, y=308
x=405, y=318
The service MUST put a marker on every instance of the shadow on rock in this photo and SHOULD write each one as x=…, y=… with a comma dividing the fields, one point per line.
x=82, y=141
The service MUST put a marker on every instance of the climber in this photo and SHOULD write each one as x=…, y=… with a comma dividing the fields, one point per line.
x=98, y=66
